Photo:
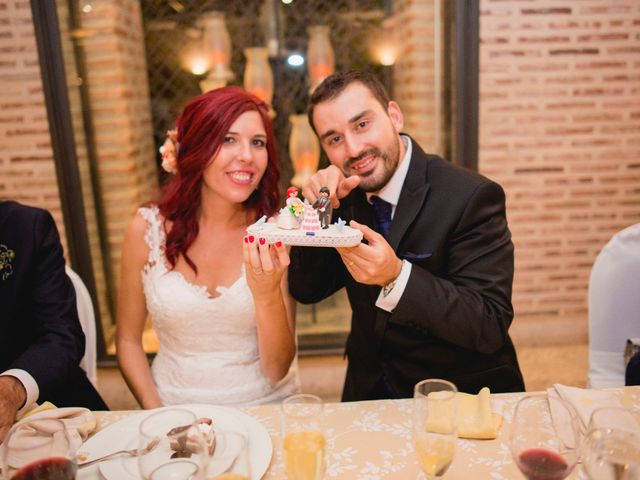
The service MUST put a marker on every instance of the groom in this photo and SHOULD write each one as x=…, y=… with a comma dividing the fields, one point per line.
x=430, y=289
x=41, y=343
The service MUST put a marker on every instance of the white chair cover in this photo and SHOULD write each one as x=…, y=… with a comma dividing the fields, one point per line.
x=614, y=307
x=88, y=322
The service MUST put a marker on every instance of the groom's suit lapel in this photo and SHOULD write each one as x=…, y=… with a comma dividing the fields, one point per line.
x=412, y=197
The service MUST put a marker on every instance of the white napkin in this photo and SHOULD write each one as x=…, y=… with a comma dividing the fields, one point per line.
x=584, y=401
x=79, y=422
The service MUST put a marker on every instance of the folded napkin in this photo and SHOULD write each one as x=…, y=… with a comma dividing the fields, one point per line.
x=475, y=418
x=34, y=408
x=584, y=401
x=79, y=422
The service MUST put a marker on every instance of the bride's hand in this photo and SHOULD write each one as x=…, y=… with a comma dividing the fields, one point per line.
x=264, y=264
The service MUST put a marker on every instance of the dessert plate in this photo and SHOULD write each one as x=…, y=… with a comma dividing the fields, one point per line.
x=124, y=434
x=333, y=236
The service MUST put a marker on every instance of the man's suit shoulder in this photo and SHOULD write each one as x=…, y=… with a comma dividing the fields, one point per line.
x=440, y=168
x=454, y=180
x=15, y=216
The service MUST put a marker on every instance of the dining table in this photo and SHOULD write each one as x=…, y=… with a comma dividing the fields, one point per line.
x=372, y=440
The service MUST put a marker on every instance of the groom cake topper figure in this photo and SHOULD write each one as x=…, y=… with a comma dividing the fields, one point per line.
x=323, y=207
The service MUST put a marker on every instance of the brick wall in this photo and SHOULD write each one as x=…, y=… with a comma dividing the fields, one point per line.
x=121, y=114
x=560, y=130
x=84, y=167
x=416, y=73
x=112, y=39
x=27, y=170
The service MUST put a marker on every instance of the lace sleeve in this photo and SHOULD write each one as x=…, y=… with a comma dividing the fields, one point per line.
x=154, y=236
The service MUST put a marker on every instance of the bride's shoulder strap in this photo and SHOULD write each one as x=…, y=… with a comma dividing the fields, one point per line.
x=154, y=236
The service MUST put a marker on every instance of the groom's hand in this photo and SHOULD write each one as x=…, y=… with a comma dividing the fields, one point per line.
x=331, y=177
x=374, y=263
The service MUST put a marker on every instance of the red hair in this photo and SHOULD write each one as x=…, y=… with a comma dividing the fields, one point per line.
x=202, y=126
x=291, y=190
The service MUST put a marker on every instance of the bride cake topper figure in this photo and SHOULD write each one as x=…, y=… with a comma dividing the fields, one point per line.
x=294, y=204
x=290, y=215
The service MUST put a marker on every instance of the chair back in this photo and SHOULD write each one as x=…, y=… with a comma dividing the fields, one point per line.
x=614, y=303
x=87, y=318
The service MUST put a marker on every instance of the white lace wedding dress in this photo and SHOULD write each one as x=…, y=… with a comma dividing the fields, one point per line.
x=208, y=345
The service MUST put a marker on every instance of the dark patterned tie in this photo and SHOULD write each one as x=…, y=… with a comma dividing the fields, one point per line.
x=382, y=210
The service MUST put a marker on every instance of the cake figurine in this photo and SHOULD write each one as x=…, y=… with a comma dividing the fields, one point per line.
x=311, y=220
x=323, y=207
x=286, y=219
x=295, y=205
x=307, y=225
x=290, y=216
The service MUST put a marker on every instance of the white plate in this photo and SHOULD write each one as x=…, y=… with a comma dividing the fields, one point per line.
x=124, y=434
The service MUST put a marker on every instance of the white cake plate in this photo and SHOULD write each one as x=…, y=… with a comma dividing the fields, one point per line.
x=328, y=237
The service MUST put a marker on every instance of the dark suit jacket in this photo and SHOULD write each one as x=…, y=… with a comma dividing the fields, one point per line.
x=40, y=331
x=453, y=318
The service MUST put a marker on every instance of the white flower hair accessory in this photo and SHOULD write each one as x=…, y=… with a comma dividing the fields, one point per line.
x=169, y=152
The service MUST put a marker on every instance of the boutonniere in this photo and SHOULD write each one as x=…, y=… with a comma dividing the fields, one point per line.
x=6, y=257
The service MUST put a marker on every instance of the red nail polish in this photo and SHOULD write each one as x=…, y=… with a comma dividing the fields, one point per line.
x=262, y=240
x=250, y=238
x=246, y=239
x=278, y=244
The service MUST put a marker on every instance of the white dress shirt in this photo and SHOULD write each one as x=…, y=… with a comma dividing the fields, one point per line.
x=391, y=194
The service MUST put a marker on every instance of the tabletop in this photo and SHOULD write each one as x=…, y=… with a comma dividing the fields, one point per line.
x=372, y=440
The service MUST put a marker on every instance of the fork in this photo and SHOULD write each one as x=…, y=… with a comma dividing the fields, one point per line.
x=134, y=452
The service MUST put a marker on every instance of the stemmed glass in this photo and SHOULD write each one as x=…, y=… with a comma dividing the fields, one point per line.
x=544, y=437
x=182, y=451
x=611, y=449
x=230, y=459
x=38, y=449
x=304, y=442
x=435, y=425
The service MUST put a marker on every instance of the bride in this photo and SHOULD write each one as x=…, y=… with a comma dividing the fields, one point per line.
x=218, y=299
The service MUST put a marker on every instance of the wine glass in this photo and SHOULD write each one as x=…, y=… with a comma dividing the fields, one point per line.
x=304, y=442
x=611, y=449
x=230, y=460
x=38, y=449
x=181, y=450
x=544, y=437
x=435, y=425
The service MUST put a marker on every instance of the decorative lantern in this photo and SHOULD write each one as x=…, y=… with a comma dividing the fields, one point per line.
x=304, y=149
x=383, y=42
x=193, y=58
x=272, y=22
x=258, y=77
x=320, y=56
x=216, y=45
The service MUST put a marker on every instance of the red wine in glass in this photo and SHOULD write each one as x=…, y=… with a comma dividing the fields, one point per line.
x=540, y=464
x=53, y=468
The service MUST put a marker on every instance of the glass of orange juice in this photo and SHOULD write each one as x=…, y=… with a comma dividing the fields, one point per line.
x=435, y=425
x=304, y=442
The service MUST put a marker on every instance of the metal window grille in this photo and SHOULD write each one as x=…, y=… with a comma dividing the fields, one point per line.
x=170, y=24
